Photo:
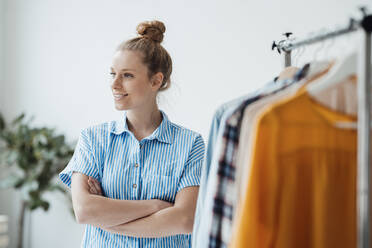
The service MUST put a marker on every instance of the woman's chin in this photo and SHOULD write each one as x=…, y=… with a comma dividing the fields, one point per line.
x=120, y=107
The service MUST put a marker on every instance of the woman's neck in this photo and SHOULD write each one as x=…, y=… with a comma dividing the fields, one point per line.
x=143, y=122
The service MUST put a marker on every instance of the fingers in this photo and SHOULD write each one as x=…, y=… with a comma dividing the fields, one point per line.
x=92, y=189
x=95, y=187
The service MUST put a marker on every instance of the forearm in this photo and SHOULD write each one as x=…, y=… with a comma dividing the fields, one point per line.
x=166, y=222
x=106, y=212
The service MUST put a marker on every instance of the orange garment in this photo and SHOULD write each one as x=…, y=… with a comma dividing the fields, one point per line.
x=302, y=186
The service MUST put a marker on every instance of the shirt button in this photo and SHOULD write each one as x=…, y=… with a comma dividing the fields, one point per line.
x=134, y=185
x=136, y=165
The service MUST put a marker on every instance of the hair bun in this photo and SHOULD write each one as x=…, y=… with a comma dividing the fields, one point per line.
x=152, y=29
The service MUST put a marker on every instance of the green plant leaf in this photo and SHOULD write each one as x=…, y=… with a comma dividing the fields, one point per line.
x=37, y=154
x=19, y=182
x=2, y=123
x=18, y=119
x=56, y=187
x=45, y=205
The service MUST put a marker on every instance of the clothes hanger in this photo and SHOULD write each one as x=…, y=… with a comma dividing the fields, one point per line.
x=341, y=69
x=297, y=56
x=288, y=72
x=344, y=66
x=316, y=52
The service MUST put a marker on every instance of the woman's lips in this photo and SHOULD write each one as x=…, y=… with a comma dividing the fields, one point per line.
x=118, y=97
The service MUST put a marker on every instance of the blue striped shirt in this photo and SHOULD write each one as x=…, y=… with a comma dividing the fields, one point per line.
x=157, y=167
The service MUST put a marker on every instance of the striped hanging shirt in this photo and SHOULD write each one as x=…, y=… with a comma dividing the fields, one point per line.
x=157, y=167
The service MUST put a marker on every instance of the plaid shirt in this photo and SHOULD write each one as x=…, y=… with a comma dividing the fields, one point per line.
x=223, y=202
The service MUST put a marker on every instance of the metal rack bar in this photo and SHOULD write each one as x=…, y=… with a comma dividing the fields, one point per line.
x=364, y=117
x=289, y=45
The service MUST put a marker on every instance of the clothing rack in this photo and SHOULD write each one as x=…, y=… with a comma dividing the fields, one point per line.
x=364, y=106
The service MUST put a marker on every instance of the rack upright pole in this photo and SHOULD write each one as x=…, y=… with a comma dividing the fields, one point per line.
x=364, y=143
x=287, y=58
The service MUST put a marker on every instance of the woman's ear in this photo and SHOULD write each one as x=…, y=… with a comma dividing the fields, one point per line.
x=157, y=80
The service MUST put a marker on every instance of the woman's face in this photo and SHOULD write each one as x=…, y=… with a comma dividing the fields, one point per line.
x=130, y=85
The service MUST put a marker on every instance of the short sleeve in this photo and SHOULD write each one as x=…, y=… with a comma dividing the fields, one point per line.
x=82, y=160
x=192, y=170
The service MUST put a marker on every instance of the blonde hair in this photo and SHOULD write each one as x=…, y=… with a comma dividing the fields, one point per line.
x=155, y=57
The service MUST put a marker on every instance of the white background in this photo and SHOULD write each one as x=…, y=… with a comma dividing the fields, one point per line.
x=55, y=58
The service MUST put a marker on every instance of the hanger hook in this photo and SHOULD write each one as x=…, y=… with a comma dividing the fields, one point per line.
x=301, y=51
x=296, y=52
x=316, y=52
x=327, y=48
x=294, y=56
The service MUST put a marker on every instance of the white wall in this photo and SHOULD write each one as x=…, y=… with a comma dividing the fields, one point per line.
x=57, y=56
x=2, y=59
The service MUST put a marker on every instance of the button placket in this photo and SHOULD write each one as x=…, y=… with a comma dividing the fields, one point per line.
x=135, y=185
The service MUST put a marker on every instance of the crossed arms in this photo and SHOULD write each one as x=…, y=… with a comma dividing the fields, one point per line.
x=136, y=218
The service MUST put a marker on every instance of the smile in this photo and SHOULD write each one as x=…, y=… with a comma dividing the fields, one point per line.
x=118, y=97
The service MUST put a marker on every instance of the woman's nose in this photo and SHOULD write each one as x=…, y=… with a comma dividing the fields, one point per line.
x=116, y=82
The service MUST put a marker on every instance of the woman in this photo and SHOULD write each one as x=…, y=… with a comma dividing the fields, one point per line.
x=134, y=181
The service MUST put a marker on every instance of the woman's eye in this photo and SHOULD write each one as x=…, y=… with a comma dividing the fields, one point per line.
x=123, y=75
x=127, y=75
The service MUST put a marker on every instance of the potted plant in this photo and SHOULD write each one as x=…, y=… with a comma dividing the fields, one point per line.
x=34, y=157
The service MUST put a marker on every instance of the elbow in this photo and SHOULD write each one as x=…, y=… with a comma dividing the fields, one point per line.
x=80, y=215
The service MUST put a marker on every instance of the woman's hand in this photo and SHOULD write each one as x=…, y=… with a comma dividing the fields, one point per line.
x=94, y=186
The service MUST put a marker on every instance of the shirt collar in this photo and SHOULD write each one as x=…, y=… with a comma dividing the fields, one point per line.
x=161, y=133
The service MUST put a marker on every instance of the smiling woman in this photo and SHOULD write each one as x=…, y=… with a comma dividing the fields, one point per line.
x=134, y=181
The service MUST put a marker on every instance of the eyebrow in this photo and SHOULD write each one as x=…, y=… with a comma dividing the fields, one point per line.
x=124, y=69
